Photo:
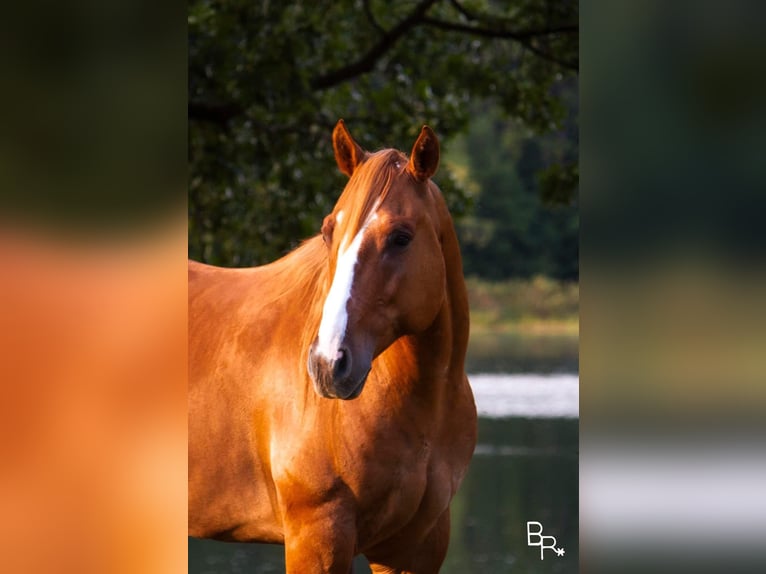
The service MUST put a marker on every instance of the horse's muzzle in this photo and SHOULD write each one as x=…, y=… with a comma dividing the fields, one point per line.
x=340, y=377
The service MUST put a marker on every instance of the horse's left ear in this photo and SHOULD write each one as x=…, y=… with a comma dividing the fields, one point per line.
x=424, y=159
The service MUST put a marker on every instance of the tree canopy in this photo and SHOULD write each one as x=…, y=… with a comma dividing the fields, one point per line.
x=521, y=224
x=268, y=81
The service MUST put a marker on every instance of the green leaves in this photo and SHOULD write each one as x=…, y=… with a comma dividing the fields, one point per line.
x=526, y=219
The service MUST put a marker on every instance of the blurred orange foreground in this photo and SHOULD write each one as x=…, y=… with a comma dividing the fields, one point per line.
x=93, y=403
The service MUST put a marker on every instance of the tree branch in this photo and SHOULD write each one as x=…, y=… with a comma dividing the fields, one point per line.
x=523, y=37
x=519, y=36
x=463, y=10
x=368, y=60
x=224, y=112
x=492, y=20
x=371, y=18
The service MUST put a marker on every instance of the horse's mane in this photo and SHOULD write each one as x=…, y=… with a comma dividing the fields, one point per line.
x=304, y=267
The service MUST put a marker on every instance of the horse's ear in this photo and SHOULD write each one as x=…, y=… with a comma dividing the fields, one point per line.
x=424, y=159
x=348, y=153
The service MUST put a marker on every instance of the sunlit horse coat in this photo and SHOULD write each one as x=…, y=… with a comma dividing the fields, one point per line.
x=375, y=310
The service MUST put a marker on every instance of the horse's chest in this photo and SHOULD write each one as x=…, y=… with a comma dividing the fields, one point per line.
x=394, y=480
x=414, y=487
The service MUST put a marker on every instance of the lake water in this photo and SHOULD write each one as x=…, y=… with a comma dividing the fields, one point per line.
x=525, y=468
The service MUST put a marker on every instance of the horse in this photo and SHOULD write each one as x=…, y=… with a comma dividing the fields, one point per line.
x=329, y=409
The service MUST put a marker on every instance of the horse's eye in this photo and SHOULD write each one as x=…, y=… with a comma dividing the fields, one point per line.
x=400, y=238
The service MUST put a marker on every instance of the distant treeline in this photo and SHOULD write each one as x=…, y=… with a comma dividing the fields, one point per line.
x=520, y=226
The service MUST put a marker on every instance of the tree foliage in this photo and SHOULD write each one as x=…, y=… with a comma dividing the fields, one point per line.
x=520, y=225
x=268, y=80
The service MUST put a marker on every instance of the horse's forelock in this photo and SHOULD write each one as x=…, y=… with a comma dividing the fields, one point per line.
x=370, y=185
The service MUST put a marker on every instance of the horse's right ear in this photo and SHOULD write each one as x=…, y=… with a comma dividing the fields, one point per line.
x=424, y=159
x=348, y=153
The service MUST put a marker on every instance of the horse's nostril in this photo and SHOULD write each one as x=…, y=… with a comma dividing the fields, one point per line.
x=342, y=364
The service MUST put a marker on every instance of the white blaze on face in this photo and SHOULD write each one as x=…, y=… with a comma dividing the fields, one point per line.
x=334, y=314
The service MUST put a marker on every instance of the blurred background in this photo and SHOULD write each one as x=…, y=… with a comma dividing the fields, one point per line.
x=93, y=227
x=673, y=116
x=93, y=287
x=498, y=82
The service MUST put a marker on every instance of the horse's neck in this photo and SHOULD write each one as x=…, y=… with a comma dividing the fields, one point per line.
x=448, y=335
x=457, y=298
x=431, y=364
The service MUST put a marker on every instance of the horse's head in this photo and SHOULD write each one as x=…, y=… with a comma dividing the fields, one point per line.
x=386, y=267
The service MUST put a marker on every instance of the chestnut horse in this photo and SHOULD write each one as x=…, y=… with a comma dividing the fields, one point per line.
x=375, y=310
